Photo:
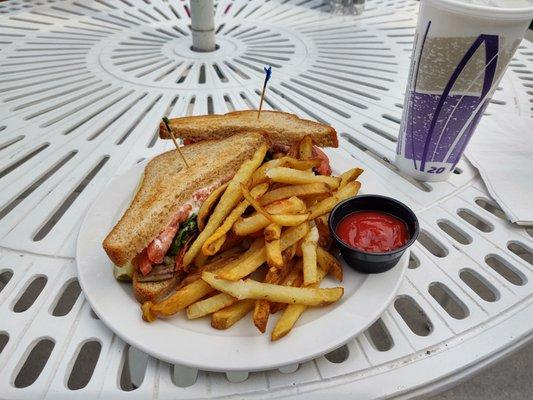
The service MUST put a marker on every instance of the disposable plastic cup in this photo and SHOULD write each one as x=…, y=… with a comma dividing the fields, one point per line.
x=460, y=53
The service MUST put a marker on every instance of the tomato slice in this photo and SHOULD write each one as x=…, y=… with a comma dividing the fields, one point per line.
x=143, y=263
x=323, y=168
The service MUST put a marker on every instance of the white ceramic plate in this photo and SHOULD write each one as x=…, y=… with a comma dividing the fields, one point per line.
x=195, y=343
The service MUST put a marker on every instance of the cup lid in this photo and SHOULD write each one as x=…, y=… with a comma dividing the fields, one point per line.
x=498, y=9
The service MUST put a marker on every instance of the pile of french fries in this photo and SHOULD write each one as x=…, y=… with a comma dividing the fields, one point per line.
x=263, y=244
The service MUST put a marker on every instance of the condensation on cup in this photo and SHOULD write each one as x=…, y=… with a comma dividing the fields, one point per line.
x=460, y=53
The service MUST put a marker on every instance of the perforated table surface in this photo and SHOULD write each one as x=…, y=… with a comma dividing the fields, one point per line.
x=83, y=86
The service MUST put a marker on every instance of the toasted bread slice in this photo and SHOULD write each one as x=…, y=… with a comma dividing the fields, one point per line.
x=167, y=185
x=282, y=128
x=152, y=291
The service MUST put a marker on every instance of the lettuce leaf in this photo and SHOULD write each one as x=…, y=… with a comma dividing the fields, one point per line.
x=187, y=228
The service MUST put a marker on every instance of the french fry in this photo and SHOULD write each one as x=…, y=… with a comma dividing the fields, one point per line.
x=260, y=176
x=209, y=305
x=212, y=266
x=280, y=219
x=272, y=232
x=329, y=263
x=250, y=289
x=254, y=203
x=309, y=245
x=227, y=317
x=324, y=234
x=325, y=206
x=147, y=313
x=251, y=224
x=289, y=219
x=293, y=176
x=256, y=222
x=213, y=244
x=295, y=279
x=291, y=314
x=273, y=245
x=349, y=176
x=315, y=198
x=242, y=268
x=288, y=254
x=247, y=265
x=261, y=314
x=306, y=148
x=351, y=189
x=262, y=307
x=274, y=275
x=292, y=205
x=229, y=199
x=294, y=190
x=302, y=165
x=287, y=320
x=278, y=275
x=208, y=204
x=182, y=298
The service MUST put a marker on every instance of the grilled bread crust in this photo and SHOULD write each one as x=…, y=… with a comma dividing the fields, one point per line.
x=282, y=128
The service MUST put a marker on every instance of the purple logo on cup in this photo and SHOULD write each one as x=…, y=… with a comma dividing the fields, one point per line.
x=451, y=85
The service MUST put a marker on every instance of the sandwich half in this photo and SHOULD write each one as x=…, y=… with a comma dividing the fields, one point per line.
x=155, y=231
x=283, y=129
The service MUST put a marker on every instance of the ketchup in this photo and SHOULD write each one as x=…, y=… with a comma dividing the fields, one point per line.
x=373, y=231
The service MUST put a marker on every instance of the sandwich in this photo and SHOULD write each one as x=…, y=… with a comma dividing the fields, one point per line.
x=283, y=129
x=149, y=241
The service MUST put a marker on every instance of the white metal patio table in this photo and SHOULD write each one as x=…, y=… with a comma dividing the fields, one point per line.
x=83, y=86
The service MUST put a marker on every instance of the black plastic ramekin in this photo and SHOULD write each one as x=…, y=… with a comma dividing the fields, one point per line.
x=363, y=261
